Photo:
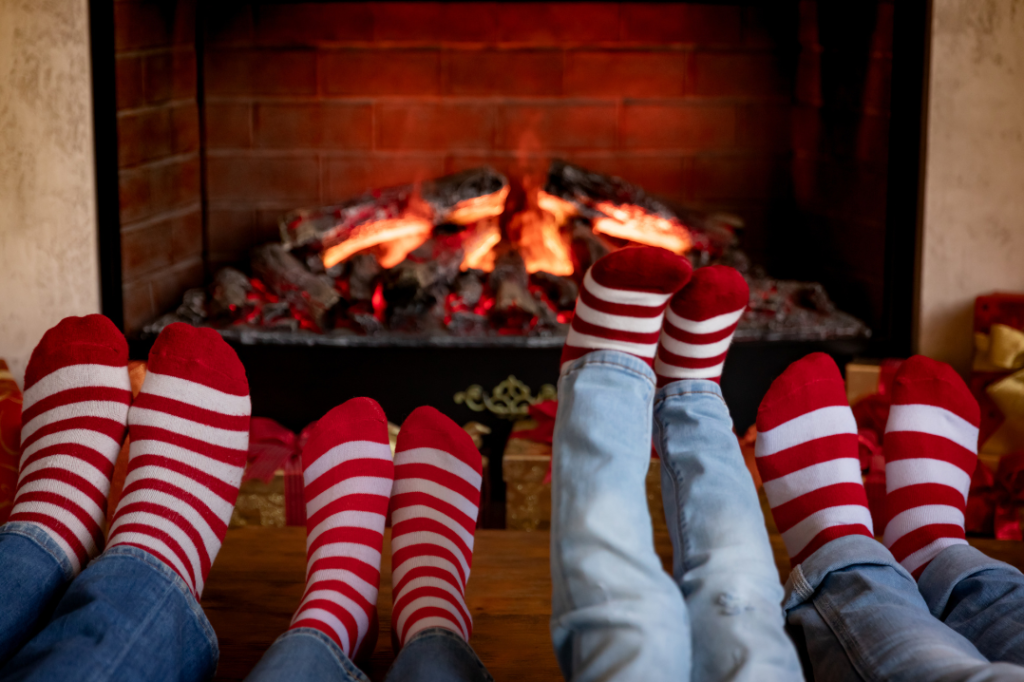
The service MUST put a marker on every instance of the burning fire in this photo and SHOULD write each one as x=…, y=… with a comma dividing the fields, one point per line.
x=478, y=246
x=479, y=208
x=627, y=221
x=392, y=239
x=541, y=243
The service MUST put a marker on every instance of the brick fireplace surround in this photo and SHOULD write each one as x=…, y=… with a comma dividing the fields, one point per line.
x=230, y=114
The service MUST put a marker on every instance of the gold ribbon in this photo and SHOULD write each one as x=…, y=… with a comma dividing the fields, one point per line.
x=1008, y=395
x=1001, y=350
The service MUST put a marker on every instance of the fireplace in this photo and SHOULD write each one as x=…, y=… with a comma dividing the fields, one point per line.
x=215, y=120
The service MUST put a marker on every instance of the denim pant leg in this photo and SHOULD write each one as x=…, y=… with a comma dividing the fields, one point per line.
x=861, y=617
x=979, y=597
x=308, y=655
x=305, y=655
x=722, y=558
x=127, y=617
x=34, y=571
x=616, y=614
x=437, y=655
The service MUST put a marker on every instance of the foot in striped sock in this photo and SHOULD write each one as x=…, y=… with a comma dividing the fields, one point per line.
x=622, y=302
x=348, y=474
x=699, y=325
x=931, y=450
x=807, y=457
x=189, y=429
x=75, y=412
x=434, y=508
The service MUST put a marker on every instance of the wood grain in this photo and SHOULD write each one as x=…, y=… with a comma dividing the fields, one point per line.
x=258, y=579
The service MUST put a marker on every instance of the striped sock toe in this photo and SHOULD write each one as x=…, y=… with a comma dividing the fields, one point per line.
x=931, y=450
x=189, y=429
x=622, y=302
x=348, y=473
x=807, y=457
x=75, y=412
x=699, y=325
x=434, y=509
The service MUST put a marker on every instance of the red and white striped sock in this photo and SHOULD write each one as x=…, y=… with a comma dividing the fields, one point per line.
x=931, y=450
x=622, y=302
x=75, y=411
x=699, y=325
x=348, y=474
x=807, y=457
x=189, y=429
x=434, y=509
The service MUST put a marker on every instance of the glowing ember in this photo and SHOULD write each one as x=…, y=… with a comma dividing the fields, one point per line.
x=541, y=243
x=560, y=209
x=479, y=208
x=478, y=247
x=626, y=221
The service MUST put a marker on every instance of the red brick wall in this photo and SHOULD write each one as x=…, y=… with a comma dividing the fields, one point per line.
x=158, y=155
x=313, y=103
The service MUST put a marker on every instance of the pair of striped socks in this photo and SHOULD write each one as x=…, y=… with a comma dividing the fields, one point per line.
x=807, y=457
x=647, y=302
x=433, y=489
x=189, y=429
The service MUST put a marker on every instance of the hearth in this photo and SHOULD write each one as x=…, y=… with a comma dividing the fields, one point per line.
x=783, y=140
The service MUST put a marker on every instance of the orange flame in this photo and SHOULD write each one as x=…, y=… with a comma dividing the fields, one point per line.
x=479, y=244
x=628, y=221
x=392, y=239
x=541, y=243
x=472, y=210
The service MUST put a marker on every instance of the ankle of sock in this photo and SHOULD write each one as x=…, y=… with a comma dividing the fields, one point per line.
x=807, y=457
x=348, y=475
x=433, y=514
x=189, y=430
x=931, y=441
x=622, y=303
x=75, y=412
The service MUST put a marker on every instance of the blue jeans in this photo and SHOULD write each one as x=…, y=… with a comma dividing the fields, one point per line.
x=129, y=617
x=125, y=617
x=308, y=654
x=616, y=614
x=861, y=616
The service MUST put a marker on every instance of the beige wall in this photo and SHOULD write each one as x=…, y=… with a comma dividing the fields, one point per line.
x=48, y=252
x=973, y=238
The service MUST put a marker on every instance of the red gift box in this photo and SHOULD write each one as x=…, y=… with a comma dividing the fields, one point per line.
x=10, y=439
x=1002, y=309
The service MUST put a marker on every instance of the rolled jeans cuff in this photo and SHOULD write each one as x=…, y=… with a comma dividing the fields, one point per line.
x=617, y=359
x=951, y=566
x=841, y=553
x=40, y=537
x=688, y=387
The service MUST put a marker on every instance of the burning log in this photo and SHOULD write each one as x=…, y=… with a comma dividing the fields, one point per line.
x=308, y=296
x=396, y=220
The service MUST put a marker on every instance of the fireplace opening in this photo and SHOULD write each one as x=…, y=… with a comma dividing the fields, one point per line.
x=498, y=148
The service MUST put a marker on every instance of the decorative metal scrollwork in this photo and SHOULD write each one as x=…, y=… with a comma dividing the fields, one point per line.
x=511, y=399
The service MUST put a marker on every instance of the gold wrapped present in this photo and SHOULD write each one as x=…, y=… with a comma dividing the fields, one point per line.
x=526, y=467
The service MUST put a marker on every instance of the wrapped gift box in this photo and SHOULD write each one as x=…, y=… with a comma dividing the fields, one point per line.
x=526, y=470
x=10, y=439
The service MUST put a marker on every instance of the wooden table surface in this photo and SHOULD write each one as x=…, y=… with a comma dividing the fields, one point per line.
x=257, y=581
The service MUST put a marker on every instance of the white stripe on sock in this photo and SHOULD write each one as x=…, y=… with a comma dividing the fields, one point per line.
x=423, y=537
x=344, y=453
x=695, y=350
x=233, y=440
x=626, y=323
x=623, y=296
x=76, y=376
x=708, y=326
x=94, y=440
x=353, y=485
x=419, y=511
x=917, y=517
x=936, y=421
x=441, y=460
x=899, y=473
x=813, y=477
x=578, y=340
x=198, y=395
x=103, y=409
x=820, y=423
x=441, y=492
x=350, y=518
x=800, y=535
x=929, y=552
